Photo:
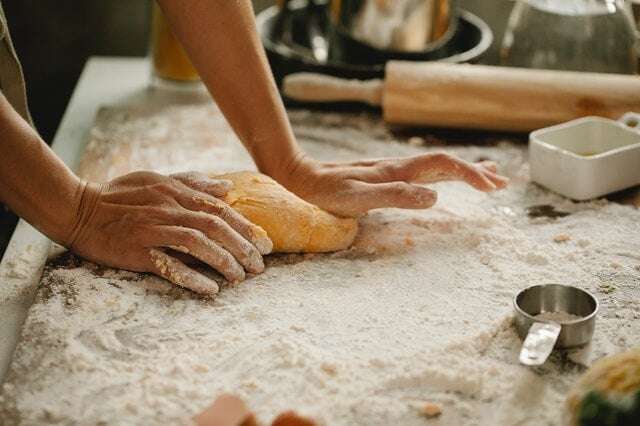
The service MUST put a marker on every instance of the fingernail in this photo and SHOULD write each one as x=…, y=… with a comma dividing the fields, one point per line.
x=264, y=245
x=428, y=198
x=203, y=285
x=261, y=240
x=433, y=197
x=257, y=265
x=236, y=275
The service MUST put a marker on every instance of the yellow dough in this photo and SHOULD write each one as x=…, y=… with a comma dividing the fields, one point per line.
x=294, y=225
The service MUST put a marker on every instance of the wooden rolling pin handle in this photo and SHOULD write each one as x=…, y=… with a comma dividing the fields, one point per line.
x=311, y=87
x=501, y=98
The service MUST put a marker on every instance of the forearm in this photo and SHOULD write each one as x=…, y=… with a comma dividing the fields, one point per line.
x=34, y=182
x=221, y=39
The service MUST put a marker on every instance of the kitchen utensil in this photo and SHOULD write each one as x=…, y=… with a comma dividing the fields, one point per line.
x=374, y=31
x=315, y=28
x=170, y=64
x=292, y=53
x=588, y=157
x=553, y=316
x=400, y=25
x=476, y=96
x=579, y=35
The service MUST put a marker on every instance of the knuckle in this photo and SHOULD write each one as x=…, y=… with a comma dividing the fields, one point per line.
x=165, y=187
x=191, y=236
x=225, y=212
x=214, y=206
x=213, y=222
x=166, y=213
x=247, y=250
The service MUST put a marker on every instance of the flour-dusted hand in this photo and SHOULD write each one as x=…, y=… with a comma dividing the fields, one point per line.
x=130, y=223
x=351, y=189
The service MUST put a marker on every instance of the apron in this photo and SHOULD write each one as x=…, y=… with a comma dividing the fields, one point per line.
x=11, y=80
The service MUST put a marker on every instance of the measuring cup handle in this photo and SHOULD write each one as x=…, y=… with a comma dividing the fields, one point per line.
x=632, y=120
x=539, y=343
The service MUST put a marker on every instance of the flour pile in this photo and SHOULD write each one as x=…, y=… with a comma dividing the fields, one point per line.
x=419, y=310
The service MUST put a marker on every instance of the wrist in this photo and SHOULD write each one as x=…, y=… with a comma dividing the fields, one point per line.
x=83, y=214
x=56, y=208
x=78, y=212
x=287, y=172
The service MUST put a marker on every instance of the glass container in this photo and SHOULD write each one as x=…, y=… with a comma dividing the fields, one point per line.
x=578, y=35
x=170, y=63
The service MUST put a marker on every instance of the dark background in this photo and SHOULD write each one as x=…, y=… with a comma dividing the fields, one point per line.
x=53, y=40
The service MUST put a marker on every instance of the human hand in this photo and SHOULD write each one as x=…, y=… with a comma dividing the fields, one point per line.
x=130, y=222
x=351, y=189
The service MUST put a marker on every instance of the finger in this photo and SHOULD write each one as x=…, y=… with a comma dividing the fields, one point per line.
x=490, y=170
x=427, y=168
x=366, y=163
x=180, y=274
x=203, y=183
x=498, y=180
x=219, y=231
x=196, y=244
x=445, y=168
x=255, y=234
x=489, y=165
x=367, y=196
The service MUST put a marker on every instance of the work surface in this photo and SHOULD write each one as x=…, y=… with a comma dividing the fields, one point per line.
x=418, y=310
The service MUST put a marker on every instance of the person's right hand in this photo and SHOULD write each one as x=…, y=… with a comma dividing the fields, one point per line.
x=130, y=222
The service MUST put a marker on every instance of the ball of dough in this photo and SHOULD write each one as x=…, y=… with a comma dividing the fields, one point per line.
x=294, y=225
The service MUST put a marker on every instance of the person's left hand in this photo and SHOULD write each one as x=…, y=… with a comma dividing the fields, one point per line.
x=351, y=189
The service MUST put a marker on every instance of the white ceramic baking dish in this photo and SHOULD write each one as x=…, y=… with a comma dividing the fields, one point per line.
x=588, y=157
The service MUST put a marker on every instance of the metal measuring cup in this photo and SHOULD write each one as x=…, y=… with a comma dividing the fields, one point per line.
x=542, y=335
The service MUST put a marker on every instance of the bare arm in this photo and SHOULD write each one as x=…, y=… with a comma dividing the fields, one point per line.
x=221, y=39
x=35, y=183
x=131, y=221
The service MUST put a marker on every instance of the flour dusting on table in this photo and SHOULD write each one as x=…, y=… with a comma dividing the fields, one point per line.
x=418, y=311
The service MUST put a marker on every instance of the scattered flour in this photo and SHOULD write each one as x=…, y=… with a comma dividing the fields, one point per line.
x=418, y=310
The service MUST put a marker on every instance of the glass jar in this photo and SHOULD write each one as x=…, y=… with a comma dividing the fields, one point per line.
x=170, y=63
x=578, y=35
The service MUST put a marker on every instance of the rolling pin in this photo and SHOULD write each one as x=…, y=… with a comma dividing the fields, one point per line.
x=476, y=96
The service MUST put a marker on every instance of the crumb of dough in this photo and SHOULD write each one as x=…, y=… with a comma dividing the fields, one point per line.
x=408, y=241
x=431, y=409
x=562, y=238
x=330, y=369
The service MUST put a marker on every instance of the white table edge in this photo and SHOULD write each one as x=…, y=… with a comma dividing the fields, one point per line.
x=104, y=80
